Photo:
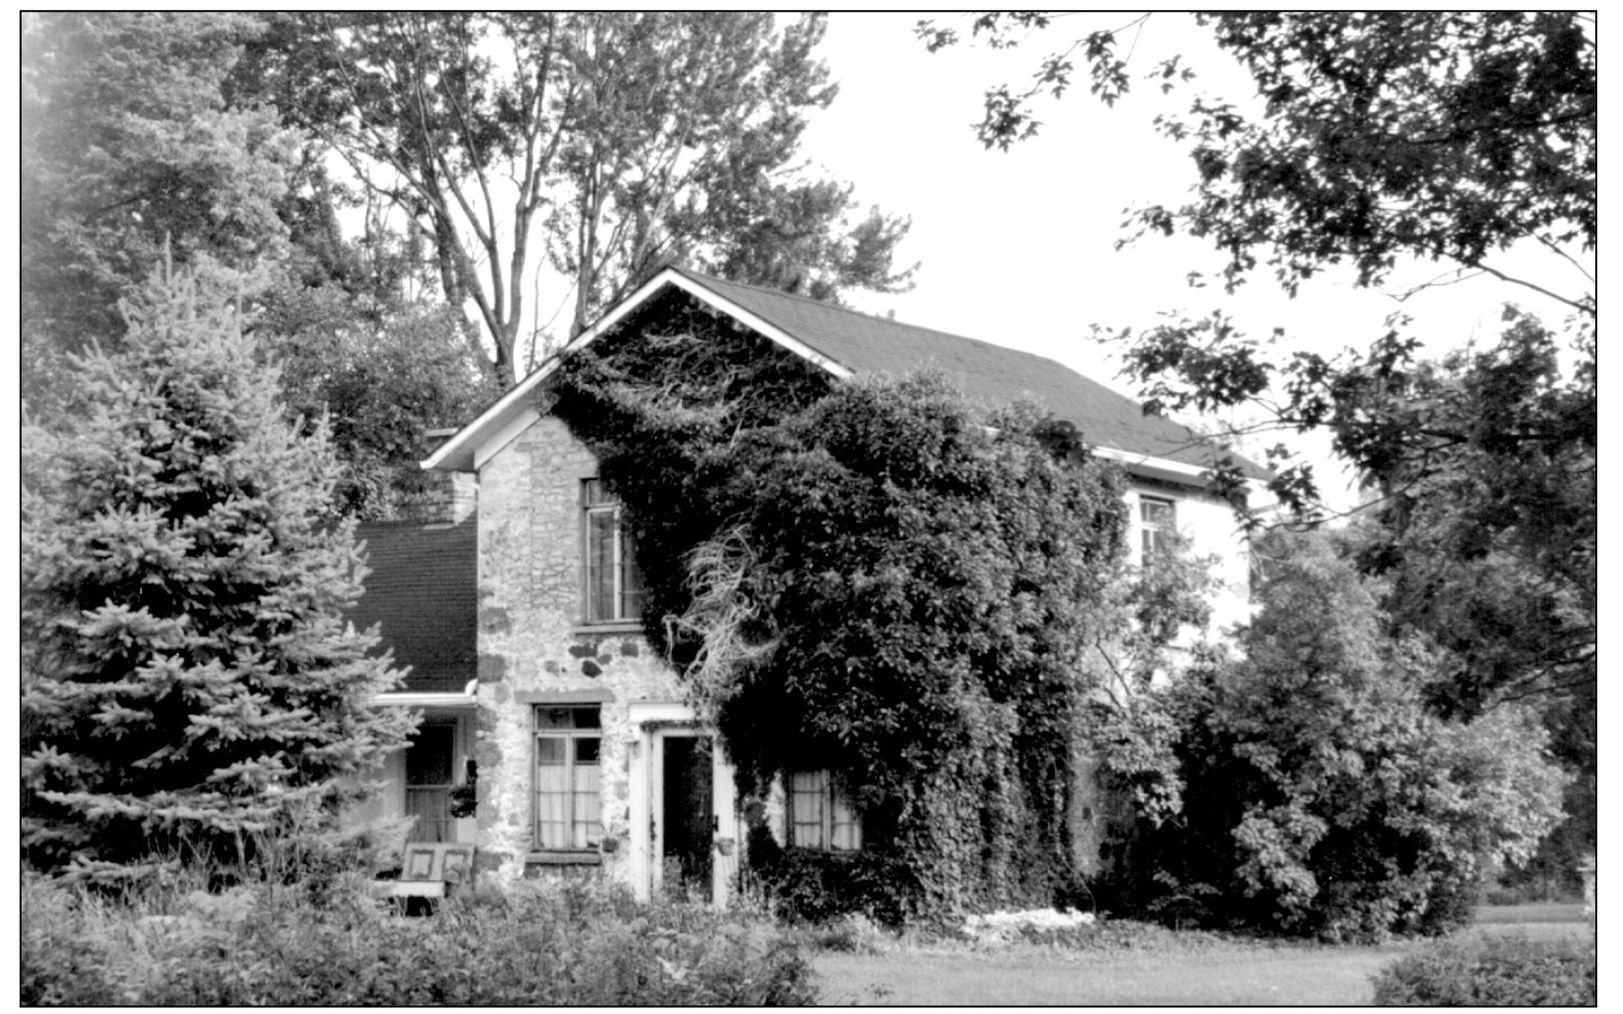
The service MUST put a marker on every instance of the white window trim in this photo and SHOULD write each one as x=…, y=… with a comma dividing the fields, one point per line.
x=1169, y=530
x=569, y=736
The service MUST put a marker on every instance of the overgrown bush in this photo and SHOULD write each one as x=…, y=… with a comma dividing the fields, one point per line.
x=1321, y=798
x=814, y=886
x=873, y=578
x=535, y=944
x=1494, y=972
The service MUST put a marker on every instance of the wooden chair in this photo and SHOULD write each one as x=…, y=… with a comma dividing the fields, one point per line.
x=433, y=869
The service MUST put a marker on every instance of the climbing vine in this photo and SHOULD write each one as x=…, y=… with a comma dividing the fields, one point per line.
x=873, y=577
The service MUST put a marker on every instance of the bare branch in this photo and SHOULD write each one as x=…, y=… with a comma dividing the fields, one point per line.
x=1569, y=258
x=1578, y=305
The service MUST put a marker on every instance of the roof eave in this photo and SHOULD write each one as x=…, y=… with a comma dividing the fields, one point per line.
x=467, y=697
x=1150, y=466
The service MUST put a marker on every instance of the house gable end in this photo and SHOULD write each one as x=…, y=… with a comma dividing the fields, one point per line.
x=476, y=442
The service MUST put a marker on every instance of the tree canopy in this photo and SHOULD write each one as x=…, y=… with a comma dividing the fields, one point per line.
x=1431, y=134
x=609, y=142
x=1381, y=137
x=130, y=147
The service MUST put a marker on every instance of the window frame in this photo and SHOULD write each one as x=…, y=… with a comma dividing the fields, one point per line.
x=569, y=735
x=838, y=824
x=1155, y=538
x=625, y=581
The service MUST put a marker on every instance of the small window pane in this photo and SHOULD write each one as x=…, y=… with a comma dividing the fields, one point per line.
x=1155, y=512
x=549, y=750
x=631, y=584
x=555, y=718
x=600, y=565
x=428, y=758
x=586, y=749
x=847, y=830
x=587, y=803
x=568, y=718
x=806, y=790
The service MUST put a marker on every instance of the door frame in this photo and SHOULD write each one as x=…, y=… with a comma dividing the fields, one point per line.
x=654, y=722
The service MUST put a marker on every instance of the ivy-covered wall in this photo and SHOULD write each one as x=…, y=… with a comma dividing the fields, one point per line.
x=871, y=577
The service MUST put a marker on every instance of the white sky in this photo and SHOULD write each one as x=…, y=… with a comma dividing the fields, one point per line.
x=1018, y=248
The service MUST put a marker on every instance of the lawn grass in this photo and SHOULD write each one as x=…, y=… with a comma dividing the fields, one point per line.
x=1206, y=971
x=1530, y=915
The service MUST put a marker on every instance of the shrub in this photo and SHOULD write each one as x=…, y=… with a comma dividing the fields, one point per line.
x=1498, y=971
x=1320, y=797
x=810, y=886
x=571, y=944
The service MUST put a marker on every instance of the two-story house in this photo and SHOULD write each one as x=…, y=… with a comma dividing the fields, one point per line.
x=521, y=619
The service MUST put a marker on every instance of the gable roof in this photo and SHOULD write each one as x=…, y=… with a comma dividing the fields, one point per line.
x=846, y=342
x=423, y=594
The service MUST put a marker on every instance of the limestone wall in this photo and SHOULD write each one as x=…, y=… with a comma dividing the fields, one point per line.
x=535, y=648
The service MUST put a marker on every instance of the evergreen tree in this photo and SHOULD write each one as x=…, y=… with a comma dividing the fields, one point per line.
x=189, y=679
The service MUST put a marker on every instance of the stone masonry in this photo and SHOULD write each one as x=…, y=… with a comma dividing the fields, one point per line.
x=534, y=647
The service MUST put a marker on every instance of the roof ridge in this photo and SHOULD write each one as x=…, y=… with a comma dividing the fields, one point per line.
x=891, y=321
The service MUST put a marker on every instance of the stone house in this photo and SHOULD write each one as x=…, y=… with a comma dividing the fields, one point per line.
x=519, y=617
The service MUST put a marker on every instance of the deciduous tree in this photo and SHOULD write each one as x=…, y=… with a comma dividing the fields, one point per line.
x=611, y=141
x=1321, y=796
x=1382, y=137
x=1432, y=134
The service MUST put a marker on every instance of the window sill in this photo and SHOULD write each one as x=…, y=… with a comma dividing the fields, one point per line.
x=553, y=857
x=609, y=627
x=825, y=850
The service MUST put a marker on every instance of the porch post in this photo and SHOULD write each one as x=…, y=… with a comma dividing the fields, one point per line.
x=639, y=759
x=729, y=843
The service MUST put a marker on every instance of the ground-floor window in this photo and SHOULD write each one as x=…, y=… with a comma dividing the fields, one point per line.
x=568, y=777
x=820, y=817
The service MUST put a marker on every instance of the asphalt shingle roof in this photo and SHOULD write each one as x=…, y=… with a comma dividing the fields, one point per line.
x=868, y=344
x=423, y=594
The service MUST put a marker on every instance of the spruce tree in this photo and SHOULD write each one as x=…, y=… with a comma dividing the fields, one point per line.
x=189, y=683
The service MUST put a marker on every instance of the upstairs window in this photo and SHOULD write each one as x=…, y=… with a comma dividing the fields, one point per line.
x=614, y=589
x=820, y=817
x=568, y=778
x=1156, y=526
